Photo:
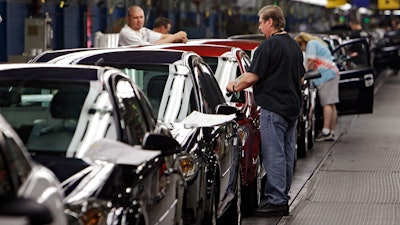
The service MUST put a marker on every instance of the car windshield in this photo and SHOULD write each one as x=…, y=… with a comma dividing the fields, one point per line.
x=225, y=70
x=352, y=56
x=169, y=89
x=45, y=113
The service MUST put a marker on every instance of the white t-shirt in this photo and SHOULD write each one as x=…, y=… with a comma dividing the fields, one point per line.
x=145, y=36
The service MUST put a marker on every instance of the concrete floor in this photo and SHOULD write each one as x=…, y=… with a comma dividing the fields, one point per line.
x=303, y=172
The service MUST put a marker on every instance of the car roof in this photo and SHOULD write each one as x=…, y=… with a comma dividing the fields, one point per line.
x=254, y=37
x=36, y=70
x=239, y=43
x=204, y=50
x=124, y=55
x=51, y=54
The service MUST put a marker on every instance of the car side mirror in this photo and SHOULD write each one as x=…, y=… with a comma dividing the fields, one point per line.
x=312, y=74
x=167, y=144
x=21, y=207
x=228, y=110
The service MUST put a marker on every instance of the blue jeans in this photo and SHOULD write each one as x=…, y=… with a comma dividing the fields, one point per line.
x=278, y=145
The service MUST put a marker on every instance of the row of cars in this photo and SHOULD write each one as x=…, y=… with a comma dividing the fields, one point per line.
x=178, y=165
x=144, y=135
x=384, y=46
x=356, y=85
x=386, y=52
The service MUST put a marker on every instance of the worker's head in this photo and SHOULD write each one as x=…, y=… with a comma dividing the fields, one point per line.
x=135, y=17
x=271, y=19
x=355, y=24
x=303, y=38
x=162, y=25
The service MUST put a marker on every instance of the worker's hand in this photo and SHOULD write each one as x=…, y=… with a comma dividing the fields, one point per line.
x=181, y=36
x=230, y=86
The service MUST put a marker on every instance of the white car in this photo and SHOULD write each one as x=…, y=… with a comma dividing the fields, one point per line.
x=29, y=193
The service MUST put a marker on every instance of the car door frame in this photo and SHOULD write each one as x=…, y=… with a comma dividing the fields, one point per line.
x=227, y=150
x=172, y=178
x=112, y=79
x=356, y=86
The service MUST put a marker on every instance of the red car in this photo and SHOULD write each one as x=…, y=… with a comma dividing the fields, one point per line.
x=249, y=46
x=306, y=125
x=228, y=63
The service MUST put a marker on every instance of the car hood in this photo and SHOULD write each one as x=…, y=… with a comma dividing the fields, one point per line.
x=104, y=157
x=182, y=130
x=118, y=153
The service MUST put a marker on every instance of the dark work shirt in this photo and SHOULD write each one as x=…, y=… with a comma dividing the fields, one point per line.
x=278, y=62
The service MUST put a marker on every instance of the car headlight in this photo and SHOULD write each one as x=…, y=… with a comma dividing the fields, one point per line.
x=188, y=166
x=93, y=216
x=88, y=213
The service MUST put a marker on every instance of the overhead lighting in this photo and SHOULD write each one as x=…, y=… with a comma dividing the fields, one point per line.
x=387, y=12
x=363, y=10
x=314, y=2
x=345, y=7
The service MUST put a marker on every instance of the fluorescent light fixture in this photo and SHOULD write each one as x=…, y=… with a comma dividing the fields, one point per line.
x=363, y=10
x=314, y=2
x=345, y=7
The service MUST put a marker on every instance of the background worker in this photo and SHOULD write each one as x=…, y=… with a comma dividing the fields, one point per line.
x=319, y=57
x=133, y=33
x=162, y=25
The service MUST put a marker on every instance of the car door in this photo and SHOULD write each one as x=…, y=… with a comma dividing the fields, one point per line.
x=227, y=148
x=244, y=60
x=135, y=119
x=356, y=85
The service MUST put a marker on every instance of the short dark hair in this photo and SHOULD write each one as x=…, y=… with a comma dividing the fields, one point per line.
x=161, y=22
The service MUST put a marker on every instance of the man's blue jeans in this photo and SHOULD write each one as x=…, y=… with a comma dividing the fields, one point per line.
x=278, y=145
